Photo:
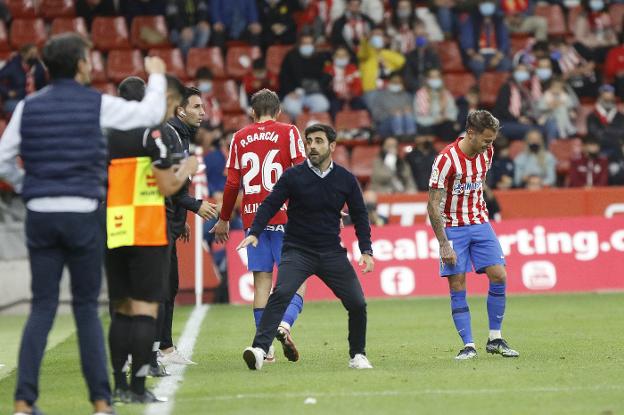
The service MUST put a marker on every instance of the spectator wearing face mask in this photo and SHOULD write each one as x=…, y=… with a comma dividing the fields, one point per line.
x=420, y=160
x=557, y=109
x=614, y=67
x=594, y=31
x=501, y=174
x=346, y=83
x=377, y=62
x=590, y=169
x=214, y=115
x=520, y=19
x=392, y=110
x=578, y=72
x=302, y=81
x=278, y=24
x=514, y=105
x=22, y=75
x=543, y=74
x=435, y=109
x=401, y=27
x=391, y=174
x=374, y=9
x=484, y=39
x=606, y=123
x=422, y=58
x=352, y=27
x=535, y=161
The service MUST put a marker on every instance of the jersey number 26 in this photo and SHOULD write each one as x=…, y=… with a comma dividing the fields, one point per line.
x=268, y=167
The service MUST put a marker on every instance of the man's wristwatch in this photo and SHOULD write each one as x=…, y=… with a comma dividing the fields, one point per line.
x=368, y=252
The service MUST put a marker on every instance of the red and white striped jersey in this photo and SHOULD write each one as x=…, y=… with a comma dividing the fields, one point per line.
x=462, y=177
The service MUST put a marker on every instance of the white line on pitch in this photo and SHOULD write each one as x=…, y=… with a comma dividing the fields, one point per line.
x=169, y=385
x=407, y=392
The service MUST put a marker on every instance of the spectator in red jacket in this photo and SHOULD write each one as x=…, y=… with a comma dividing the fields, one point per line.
x=614, y=67
x=346, y=82
x=590, y=169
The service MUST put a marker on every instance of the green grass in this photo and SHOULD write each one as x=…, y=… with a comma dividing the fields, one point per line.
x=571, y=363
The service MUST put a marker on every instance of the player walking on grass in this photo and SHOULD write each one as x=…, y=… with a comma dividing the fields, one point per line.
x=259, y=154
x=459, y=218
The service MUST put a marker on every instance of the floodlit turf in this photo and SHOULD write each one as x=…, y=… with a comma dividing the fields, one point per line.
x=571, y=363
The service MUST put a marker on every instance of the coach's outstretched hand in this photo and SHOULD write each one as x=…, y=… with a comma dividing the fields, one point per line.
x=447, y=254
x=208, y=210
x=250, y=240
x=368, y=263
x=221, y=231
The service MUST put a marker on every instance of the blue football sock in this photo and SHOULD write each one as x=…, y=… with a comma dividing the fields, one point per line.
x=293, y=310
x=496, y=305
x=461, y=315
x=258, y=315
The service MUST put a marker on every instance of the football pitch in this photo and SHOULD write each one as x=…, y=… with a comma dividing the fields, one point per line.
x=572, y=362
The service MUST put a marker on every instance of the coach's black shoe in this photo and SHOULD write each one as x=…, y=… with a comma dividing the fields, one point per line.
x=157, y=371
x=147, y=397
x=120, y=396
x=466, y=353
x=500, y=346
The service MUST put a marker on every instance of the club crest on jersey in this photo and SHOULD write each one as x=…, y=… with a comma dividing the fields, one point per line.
x=435, y=174
x=459, y=188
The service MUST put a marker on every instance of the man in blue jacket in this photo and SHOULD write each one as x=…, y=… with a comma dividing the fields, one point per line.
x=22, y=75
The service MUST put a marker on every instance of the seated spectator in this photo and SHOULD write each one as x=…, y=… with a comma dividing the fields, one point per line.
x=590, y=168
x=484, y=40
x=616, y=168
x=314, y=16
x=259, y=78
x=401, y=27
x=234, y=20
x=188, y=24
x=435, y=109
x=606, y=123
x=501, y=174
x=392, y=109
x=466, y=104
x=557, y=111
x=421, y=58
x=514, y=105
x=578, y=72
x=279, y=27
x=132, y=8
x=531, y=53
x=346, y=82
x=594, y=31
x=391, y=174
x=420, y=160
x=377, y=62
x=374, y=9
x=90, y=9
x=614, y=67
x=370, y=199
x=446, y=17
x=302, y=82
x=352, y=27
x=520, y=19
x=22, y=75
x=214, y=115
x=535, y=167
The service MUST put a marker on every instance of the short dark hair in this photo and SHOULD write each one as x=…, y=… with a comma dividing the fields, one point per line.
x=26, y=47
x=330, y=133
x=62, y=53
x=188, y=93
x=132, y=88
x=265, y=102
x=481, y=120
x=203, y=72
x=591, y=139
x=175, y=87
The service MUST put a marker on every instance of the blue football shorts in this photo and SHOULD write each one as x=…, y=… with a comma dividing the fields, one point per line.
x=267, y=254
x=476, y=247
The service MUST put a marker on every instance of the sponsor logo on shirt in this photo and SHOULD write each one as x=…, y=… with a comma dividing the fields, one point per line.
x=459, y=188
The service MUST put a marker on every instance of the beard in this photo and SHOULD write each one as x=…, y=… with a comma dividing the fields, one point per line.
x=317, y=159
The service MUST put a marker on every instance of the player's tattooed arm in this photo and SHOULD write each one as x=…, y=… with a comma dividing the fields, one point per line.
x=433, y=208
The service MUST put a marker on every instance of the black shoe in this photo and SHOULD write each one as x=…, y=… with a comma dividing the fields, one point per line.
x=120, y=396
x=157, y=371
x=147, y=397
x=466, y=353
x=500, y=346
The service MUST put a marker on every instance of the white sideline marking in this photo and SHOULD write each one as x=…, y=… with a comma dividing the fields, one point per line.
x=297, y=395
x=169, y=385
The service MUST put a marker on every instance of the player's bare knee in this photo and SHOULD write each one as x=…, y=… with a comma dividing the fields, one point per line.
x=457, y=282
x=497, y=274
x=144, y=308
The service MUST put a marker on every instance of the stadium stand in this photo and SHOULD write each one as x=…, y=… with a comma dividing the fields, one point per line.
x=51, y=9
x=69, y=24
x=209, y=57
x=25, y=31
x=110, y=33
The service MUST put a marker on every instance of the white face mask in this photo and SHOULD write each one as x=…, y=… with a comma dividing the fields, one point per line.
x=306, y=50
x=434, y=83
x=404, y=13
x=390, y=161
x=377, y=42
x=596, y=5
x=487, y=9
x=205, y=86
x=395, y=87
x=341, y=62
x=543, y=74
x=521, y=76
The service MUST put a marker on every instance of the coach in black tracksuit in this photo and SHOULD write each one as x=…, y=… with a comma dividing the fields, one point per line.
x=316, y=190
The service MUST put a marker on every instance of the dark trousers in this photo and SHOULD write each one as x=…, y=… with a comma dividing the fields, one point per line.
x=55, y=240
x=335, y=270
x=166, y=337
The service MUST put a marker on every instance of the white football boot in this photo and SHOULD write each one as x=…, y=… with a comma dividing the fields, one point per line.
x=360, y=361
x=254, y=357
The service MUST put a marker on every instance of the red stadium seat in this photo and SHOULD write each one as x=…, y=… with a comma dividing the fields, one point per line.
x=4, y=38
x=235, y=122
x=352, y=119
x=306, y=118
x=25, y=31
x=110, y=33
x=152, y=27
x=516, y=147
x=69, y=24
x=106, y=88
x=341, y=156
x=581, y=118
x=616, y=11
x=239, y=59
x=22, y=9
x=362, y=159
x=554, y=16
x=450, y=56
x=489, y=84
x=227, y=93
x=208, y=57
x=459, y=83
x=51, y=9
x=98, y=71
x=174, y=60
x=565, y=150
x=573, y=13
x=124, y=63
x=274, y=56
